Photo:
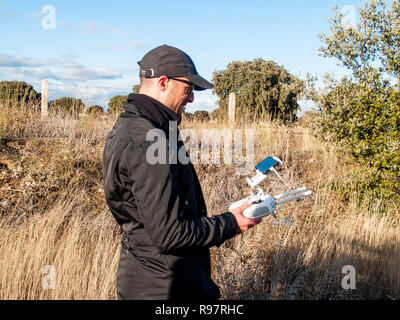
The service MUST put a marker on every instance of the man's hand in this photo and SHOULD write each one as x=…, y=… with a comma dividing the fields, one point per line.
x=243, y=222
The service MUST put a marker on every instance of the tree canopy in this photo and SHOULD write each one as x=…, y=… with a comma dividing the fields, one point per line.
x=66, y=106
x=361, y=112
x=16, y=92
x=135, y=88
x=371, y=47
x=95, y=110
x=115, y=104
x=263, y=90
x=201, y=115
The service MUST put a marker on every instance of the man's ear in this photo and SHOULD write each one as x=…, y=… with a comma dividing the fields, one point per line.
x=163, y=82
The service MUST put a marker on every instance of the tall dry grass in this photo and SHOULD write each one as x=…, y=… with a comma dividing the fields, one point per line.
x=53, y=213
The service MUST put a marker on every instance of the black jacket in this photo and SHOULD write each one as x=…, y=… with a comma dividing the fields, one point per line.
x=167, y=234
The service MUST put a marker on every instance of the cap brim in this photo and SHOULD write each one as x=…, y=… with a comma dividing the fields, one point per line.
x=199, y=82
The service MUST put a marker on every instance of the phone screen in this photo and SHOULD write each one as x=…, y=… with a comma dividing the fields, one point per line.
x=266, y=164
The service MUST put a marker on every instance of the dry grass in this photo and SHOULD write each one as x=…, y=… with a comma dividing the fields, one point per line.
x=53, y=213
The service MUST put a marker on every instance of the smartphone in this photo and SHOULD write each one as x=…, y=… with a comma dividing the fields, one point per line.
x=266, y=164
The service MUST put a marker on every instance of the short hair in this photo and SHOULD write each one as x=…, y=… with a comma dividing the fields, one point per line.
x=145, y=82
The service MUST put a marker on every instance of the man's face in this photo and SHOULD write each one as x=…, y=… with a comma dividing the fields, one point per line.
x=179, y=94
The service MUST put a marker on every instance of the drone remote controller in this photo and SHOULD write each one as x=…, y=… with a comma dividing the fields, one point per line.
x=264, y=204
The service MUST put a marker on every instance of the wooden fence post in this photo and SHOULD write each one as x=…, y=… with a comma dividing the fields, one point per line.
x=231, y=108
x=45, y=111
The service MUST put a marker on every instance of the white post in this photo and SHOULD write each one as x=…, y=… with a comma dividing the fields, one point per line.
x=231, y=108
x=44, y=98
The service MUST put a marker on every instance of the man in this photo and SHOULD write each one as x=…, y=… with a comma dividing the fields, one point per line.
x=160, y=206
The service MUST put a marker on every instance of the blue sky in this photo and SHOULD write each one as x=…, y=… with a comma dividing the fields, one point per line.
x=93, y=50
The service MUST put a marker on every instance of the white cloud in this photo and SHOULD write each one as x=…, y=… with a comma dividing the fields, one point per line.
x=125, y=46
x=57, y=69
x=305, y=105
x=83, y=73
x=16, y=61
x=69, y=78
x=93, y=27
x=203, y=100
x=92, y=85
x=122, y=40
x=91, y=92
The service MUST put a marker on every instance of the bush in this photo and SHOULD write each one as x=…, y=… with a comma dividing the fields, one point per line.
x=95, y=110
x=219, y=114
x=187, y=116
x=361, y=112
x=264, y=90
x=310, y=119
x=115, y=104
x=66, y=106
x=17, y=92
x=364, y=119
x=136, y=88
x=201, y=116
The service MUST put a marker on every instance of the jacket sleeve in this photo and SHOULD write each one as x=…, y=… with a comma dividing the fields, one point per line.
x=156, y=191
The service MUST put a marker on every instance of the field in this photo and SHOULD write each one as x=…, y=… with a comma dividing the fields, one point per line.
x=53, y=213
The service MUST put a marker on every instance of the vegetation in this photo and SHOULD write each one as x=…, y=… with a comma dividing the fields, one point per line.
x=66, y=106
x=135, y=88
x=187, y=116
x=201, y=115
x=361, y=112
x=95, y=110
x=17, y=93
x=115, y=104
x=264, y=90
x=53, y=212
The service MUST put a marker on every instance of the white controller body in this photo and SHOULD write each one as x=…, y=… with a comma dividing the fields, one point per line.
x=264, y=204
x=259, y=208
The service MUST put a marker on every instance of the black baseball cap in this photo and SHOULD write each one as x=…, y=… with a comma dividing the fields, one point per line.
x=171, y=62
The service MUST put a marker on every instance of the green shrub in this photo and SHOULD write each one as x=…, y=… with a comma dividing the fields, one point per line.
x=95, y=110
x=187, y=116
x=66, y=106
x=201, y=115
x=310, y=119
x=136, y=88
x=264, y=90
x=13, y=93
x=364, y=119
x=115, y=104
x=361, y=112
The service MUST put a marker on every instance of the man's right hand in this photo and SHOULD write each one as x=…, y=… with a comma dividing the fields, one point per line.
x=243, y=222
